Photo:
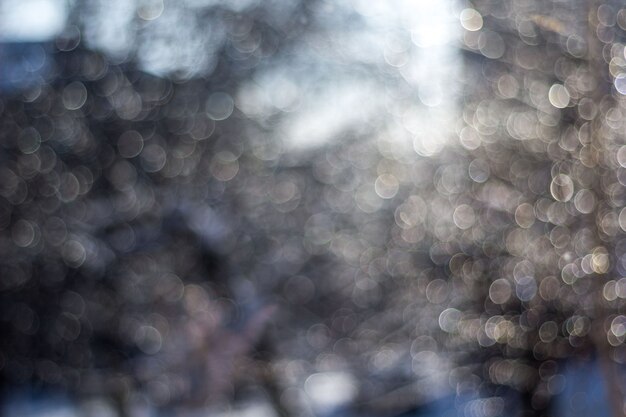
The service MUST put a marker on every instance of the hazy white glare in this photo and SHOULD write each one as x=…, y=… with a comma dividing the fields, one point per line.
x=31, y=20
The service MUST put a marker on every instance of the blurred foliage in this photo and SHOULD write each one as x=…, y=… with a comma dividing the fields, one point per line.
x=164, y=240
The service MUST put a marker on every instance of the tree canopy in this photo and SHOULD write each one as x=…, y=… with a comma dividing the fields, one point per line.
x=207, y=202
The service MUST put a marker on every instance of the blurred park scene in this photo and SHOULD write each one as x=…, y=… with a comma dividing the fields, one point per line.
x=312, y=208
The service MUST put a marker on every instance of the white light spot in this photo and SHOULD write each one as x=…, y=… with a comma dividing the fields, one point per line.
x=562, y=188
x=464, y=216
x=449, y=319
x=621, y=156
x=559, y=96
x=148, y=339
x=620, y=83
x=386, y=186
x=220, y=106
x=330, y=389
x=471, y=20
x=74, y=95
x=150, y=10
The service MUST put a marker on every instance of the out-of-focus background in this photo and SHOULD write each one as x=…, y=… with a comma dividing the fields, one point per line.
x=312, y=208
